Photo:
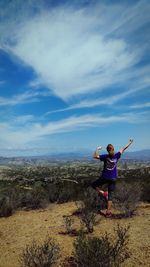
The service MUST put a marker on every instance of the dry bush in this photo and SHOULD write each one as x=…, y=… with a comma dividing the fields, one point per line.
x=88, y=218
x=87, y=208
x=105, y=251
x=40, y=255
x=90, y=200
x=127, y=197
x=68, y=224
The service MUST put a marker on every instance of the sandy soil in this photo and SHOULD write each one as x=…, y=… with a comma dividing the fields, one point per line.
x=24, y=226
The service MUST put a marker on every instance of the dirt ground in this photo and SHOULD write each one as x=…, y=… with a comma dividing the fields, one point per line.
x=24, y=226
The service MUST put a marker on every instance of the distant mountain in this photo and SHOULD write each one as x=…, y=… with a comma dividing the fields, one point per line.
x=138, y=155
x=86, y=155
x=77, y=154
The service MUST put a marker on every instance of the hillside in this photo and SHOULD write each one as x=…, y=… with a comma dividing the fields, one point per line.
x=20, y=229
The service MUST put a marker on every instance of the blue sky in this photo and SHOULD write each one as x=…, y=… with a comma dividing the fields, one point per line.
x=73, y=75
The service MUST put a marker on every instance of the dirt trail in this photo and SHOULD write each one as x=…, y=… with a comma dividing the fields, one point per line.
x=20, y=229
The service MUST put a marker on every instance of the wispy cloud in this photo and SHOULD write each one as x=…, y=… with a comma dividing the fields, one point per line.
x=106, y=101
x=19, y=120
x=141, y=105
x=129, y=17
x=88, y=56
x=79, y=51
x=27, y=97
x=18, y=135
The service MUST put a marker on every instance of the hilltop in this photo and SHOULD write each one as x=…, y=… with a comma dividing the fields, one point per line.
x=24, y=226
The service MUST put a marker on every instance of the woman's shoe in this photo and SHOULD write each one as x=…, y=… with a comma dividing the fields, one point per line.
x=108, y=214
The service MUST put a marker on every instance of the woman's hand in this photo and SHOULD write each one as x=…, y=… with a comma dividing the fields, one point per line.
x=99, y=147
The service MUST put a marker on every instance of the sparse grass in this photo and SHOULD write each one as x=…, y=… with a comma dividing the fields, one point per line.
x=21, y=229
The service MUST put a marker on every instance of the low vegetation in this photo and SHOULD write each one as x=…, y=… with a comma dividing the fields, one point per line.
x=35, y=187
x=40, y=255
x=87, y=208
x=68, y=221
x=127, y=197
x=105, y=251
x=6, y=207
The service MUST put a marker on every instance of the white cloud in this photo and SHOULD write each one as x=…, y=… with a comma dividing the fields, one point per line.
x=71, y=50
x=106, y=101
x=15, y=135
x=23, y=119
x=141, y=105
x=127, y=18
x=27, y=97
x=76, y=52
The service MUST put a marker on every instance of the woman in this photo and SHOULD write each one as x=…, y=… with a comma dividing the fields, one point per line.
x=109, y=173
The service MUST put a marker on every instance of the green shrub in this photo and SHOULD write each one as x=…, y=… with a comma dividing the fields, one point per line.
x=40, y=255
x=145, y=184
x=16, y=193
x=63, y=191
x=53, y=193
x=64, y=195
x=6, y=207
x=105, y=251
x=35, y=198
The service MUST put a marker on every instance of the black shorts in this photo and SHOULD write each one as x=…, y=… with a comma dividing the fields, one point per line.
x=110, y=183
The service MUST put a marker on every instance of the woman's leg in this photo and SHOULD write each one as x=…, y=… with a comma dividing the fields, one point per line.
x=98, y=184
x=111, y=188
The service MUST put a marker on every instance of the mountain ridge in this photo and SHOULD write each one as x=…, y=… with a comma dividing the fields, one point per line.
x=85, y=154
